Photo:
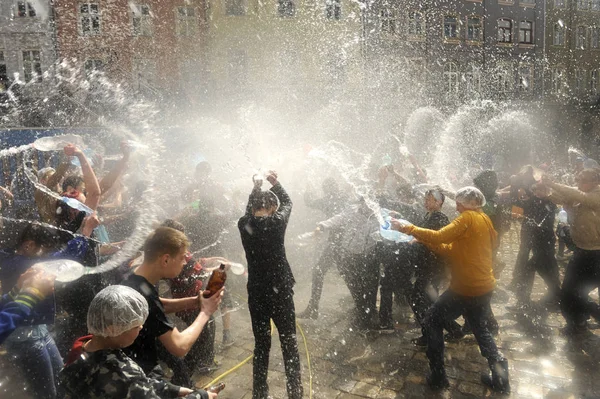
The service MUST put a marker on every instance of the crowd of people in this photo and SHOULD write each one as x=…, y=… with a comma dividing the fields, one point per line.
x=111, y=334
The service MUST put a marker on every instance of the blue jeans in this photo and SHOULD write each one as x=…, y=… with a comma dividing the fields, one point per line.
x=38, y=358
x=445, y=310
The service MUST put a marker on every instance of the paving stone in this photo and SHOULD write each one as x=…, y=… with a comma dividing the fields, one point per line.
x=365, y=389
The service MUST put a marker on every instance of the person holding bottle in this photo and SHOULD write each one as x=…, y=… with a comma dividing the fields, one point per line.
x=270, y=283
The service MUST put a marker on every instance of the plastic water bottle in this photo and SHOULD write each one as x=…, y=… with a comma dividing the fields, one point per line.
x=57, y=143
x=65, y=270
x=75, y=204
x=392, y=235
x=237, y=268
x=563, y=217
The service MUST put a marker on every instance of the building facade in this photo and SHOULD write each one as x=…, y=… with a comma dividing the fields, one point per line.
x=147, y=44
x=26, y=44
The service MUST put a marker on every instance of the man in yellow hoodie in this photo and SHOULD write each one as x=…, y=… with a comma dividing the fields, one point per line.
x=468, y=243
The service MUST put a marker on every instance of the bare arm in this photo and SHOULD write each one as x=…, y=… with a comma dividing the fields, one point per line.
x=179, y=343
x=179, y=304
x=92, y=187
x=109, y=180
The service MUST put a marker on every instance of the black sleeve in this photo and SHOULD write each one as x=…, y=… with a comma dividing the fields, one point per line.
x=249, y=205
x=285, y=202
x=440, y=220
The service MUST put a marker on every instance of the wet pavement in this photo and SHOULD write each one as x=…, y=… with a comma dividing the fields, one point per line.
x=345, y=364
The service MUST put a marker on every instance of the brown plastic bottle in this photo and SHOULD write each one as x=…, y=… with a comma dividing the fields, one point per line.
x=217, y=387
x=215, y=282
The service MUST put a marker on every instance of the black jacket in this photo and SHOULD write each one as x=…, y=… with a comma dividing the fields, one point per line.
x=263, y=240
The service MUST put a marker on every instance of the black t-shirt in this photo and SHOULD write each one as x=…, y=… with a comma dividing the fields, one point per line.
x=144, y=350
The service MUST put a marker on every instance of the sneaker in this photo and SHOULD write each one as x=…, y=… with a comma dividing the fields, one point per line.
x=227, y=341
x=420, y=342
x=204, y=370
x=309, y=313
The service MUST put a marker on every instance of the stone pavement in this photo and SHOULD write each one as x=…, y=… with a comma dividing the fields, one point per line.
x=346, y=364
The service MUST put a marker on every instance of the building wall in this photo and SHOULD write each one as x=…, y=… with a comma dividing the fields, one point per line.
x=261, y=55
x=150, y=61
x=26, y=33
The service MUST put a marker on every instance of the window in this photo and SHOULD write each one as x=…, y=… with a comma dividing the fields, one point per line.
x=557, y=76
x=141, y=19
x=473, y=80
x=451, y=79
x=3, y=73
x=89, y=19
x=416, y=24
x=504, y=30
x=144, y=74
x=25, y=9
x=286, y=8
x=559, y=3
x=559, y=34
x=389, y=21
x=187, y=24
x=450, y=27
x=474, y=29
x=32, y=66
x=594, y=82
x=595, y=5
x=526, y=32
x=235, y=7
x=580, y=75
x=595, y=37
x=583, y=4
x=525, y=78
x=91, y=66
x=504, y=79
x=581, y=38
x=528, y=2
x=333, y=9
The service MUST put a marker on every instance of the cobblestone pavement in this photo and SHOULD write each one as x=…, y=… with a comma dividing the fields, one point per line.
x=346, y=364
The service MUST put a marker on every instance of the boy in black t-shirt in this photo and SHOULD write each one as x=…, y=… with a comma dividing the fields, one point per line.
x=164, y=257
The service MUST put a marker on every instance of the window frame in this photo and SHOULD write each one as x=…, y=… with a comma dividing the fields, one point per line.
x=286, y=9
x=333, y=10
x=390, y=20
x=505, y=78
x=594, y=81
x=32, y=63
x=89, y=17
x=145, y=21
x=187, y=21
x=528, y=88
x=581, y=39
x=530, y=30
x=562, y=35
x=30, y=11
x=504, y=29
x=415, y=23
x=595, y=37
x=481, y=28
x=560, y=4
x=557, y=75
x=456, y=37
x=451, y=79
x=595, y=5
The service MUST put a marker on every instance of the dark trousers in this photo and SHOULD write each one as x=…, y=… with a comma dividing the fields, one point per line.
x=279, y=306
x=581, y=277
x=361, y=275
x=327, y=259
x=525, y=247
x=446, y=309
x=543, y=262
x=201, y=353
x=425, y=291
x=396, y=278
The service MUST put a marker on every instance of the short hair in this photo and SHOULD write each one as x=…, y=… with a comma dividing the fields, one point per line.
x=41, y=235
x=437, y=194
x=263, y=200
x=164, y=240
x=174, y=224
x=72, y=181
